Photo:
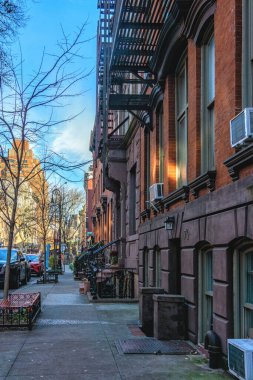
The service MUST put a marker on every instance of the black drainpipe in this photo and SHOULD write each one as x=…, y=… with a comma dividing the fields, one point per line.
x=213, y=345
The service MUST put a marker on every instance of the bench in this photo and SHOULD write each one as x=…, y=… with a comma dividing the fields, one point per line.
x=51, y=277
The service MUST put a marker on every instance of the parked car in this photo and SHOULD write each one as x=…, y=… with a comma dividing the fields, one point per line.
x=18, y=267
x=36, y=263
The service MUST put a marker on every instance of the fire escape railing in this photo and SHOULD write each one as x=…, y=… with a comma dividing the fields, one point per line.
x=135, y=37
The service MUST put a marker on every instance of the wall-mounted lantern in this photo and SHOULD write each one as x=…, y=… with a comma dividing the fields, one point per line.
x=169, y=223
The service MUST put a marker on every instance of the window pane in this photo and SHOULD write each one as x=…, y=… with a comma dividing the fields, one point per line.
x=209, y=271
x=158, y=268
x=248, y=333
x=160, y=121
x=181, y=114
x=211, y=68
x=207, y=105
x=249, y=276
x=181, y=91
x=182, y=152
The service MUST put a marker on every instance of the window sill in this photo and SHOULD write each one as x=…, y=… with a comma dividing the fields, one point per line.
x=238, y=161
x=206, y=180
x=181, y=194
x=145, y=214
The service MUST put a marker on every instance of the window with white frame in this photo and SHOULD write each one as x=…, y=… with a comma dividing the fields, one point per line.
x=243, y=293
x=181, y=122
x=207, y=103
x=205, y=291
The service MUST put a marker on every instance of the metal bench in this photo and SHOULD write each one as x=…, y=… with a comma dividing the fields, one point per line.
x=51, y=277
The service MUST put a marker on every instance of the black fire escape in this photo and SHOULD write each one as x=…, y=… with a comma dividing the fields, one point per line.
x=135, y=36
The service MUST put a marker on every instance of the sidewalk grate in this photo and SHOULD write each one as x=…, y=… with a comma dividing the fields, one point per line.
x=154, y=346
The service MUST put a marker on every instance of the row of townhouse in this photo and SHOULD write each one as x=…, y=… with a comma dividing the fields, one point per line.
x=171, y=75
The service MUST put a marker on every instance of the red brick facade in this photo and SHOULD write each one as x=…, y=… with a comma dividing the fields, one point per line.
x=205, y=255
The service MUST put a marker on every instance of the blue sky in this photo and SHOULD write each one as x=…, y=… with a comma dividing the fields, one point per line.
x=43, y=29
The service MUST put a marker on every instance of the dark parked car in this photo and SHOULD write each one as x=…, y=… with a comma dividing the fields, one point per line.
x=36, y=263
x=18, y=267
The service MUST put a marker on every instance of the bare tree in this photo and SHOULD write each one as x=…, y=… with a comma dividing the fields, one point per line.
x=12, y=17
x=47, y=91
x=26, y=219
x=73, y=199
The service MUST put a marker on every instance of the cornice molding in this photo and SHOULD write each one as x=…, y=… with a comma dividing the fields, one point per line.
x=206, y=180
x=171, y=40
x=239, y=160
x=181, y=194
x=199, y=13
x=156, y=95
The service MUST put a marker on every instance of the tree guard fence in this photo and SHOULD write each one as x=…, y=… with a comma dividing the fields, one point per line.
x=20, y=310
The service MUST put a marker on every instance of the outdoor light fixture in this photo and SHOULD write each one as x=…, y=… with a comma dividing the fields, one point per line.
x=169, y=223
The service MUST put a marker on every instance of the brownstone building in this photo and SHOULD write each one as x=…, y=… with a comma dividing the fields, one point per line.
x=172, y=74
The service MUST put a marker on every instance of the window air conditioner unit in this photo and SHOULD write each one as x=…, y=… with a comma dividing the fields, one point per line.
x=241, y=127
x=240, y=358
x=156, y=192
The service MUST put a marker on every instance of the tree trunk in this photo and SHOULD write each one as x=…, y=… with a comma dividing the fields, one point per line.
x=7, y=268
x=45, y=258
x=10, y=242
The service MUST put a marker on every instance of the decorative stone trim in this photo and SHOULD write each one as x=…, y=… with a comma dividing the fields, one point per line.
x=103, y=200
x=98, y=212
x=181, y=194
x=199, y=13
x=157, y=94
x=238, y=161
x=145, y=214
x=206, y=180
x=160, y=206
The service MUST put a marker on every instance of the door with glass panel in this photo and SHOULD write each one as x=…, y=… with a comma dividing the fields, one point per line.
x=205, y=291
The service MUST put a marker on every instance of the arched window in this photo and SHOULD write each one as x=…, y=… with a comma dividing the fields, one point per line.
x=181, y=121
x=207, y=102
x=205, y=292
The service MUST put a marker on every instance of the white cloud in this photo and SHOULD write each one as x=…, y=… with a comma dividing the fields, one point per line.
x=73, y=140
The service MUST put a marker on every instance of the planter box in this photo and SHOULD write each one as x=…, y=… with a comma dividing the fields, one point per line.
x=20, y=310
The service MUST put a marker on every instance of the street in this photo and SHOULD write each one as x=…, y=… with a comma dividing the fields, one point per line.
x=74, y=339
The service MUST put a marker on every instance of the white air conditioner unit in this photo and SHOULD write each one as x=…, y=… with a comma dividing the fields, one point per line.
x=240, y=358
x=156, y=192
x=241, y=127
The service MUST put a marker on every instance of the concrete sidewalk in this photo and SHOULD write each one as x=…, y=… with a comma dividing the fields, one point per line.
x=74, y=339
